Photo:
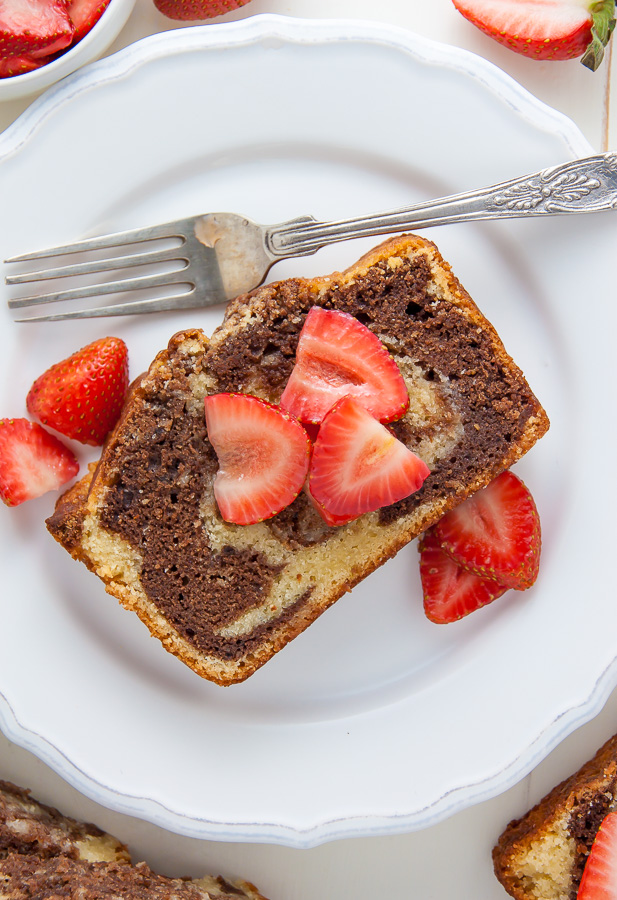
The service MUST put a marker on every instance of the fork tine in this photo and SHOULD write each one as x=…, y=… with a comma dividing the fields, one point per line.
x=105, y=242
x=96, y=266
x=136, y=307
x=97, y=290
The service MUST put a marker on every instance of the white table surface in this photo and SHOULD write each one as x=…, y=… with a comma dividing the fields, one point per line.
x=451, y=860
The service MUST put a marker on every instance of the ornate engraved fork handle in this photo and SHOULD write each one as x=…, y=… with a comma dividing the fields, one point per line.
x=581, y=186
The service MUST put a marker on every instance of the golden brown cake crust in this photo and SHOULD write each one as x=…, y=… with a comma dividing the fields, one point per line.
x=45, y=854
x=28, y=826
x=572, y=810
x=225, y=598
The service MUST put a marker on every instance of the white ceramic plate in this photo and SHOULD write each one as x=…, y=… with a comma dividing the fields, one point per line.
x=374, y=720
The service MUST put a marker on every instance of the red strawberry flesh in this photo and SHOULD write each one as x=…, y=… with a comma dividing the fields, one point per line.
x=451, y=592
x=599, y=880
x=32, y=461
x=84, y=14
x=191, y=10
x=338, y=356
x=82, y=396
x=358, y=465
x=530, y=20
x=495, y=533
x=546, y=29
x=18, y=65
x=34, y=27
x=329, y=518
x=263, y=456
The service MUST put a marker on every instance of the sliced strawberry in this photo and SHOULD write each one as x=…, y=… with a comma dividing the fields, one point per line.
x=84, y=14
x=337, y=356
x=495, y=533
x=82, y=396
x=32, y=461
x=17, y=65
x=34, y=27
x=329, y=518
x=263, y=455
x=546, y=29
x=189, y=10
x=450, y=591
x=599, y=881
x=358, y=465
x=312, y=430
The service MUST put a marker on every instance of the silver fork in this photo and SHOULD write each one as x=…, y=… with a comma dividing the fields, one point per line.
x=218, y=256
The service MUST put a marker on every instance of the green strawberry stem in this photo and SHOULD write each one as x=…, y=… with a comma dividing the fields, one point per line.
x=603, y=15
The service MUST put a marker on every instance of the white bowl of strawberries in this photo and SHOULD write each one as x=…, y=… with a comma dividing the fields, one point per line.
x=42, y=41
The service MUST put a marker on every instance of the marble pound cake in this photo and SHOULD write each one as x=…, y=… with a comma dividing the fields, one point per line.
x=542, y=855
x=224, y=598
x=44, y=854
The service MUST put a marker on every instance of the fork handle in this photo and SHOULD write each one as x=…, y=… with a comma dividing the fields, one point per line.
x=583, y=185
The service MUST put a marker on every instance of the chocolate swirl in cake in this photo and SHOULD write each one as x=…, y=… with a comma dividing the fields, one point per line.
x=237, y=594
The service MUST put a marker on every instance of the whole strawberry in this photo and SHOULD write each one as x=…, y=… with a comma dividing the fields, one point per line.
x=82, y=396
x=546, y=29
x=192, y=10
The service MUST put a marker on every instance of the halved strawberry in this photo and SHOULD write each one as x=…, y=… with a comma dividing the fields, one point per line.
x=190, y=10
x=599, y=881
x=546, y=29
x=263, y=455
x=32, y=461
x=82, y=396
x=337, y=356
x=329, y=518
x=34, y=27
x=84, y=14
x=358, y=465
x=495, y=533
x=450, y=591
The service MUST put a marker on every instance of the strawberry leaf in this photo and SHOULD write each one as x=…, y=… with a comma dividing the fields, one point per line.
x=603, y=23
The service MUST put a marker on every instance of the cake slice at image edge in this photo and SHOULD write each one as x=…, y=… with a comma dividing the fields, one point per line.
x=225, y=598
x=542, y=854
x=44, y=853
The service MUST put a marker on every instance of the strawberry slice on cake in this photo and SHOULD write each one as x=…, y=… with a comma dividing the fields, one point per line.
x=338, y=356
x=263, y=456
x=358, y=465
x=599, y=880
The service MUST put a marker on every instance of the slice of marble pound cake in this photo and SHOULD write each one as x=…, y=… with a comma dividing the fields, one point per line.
x=542, y=855
x=44, y=854
x=224, y=598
